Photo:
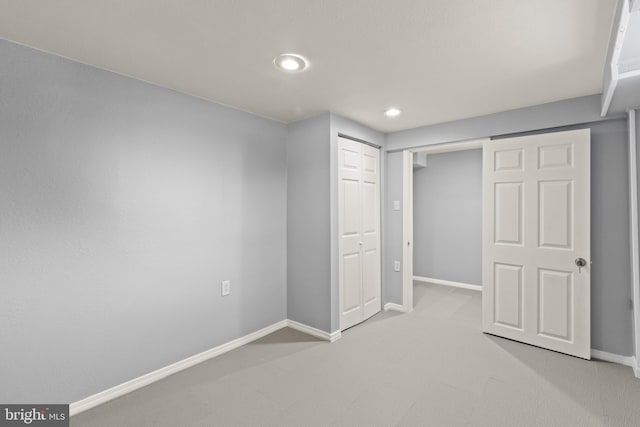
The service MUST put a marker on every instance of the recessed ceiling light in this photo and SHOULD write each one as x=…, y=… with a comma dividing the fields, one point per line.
x=290, y=62
x=392, y=112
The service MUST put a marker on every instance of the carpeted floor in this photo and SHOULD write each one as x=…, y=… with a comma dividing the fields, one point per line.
x=432, y=367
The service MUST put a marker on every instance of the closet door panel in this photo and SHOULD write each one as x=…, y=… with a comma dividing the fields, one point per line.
x=371, y=231
x=359, y=231
x=350, y=232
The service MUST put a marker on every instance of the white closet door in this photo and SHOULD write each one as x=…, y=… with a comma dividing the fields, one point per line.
x=536, y=233
x=359, y=231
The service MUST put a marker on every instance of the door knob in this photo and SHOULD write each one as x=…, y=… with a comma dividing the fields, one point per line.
x=580, y=262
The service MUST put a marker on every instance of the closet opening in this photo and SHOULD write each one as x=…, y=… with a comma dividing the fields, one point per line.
x=442, y=217
x=359, y=240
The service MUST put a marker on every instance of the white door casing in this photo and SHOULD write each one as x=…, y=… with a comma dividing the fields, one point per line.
x=536, y=223
x=407, y=208
x=359, y=231
x=407, y=231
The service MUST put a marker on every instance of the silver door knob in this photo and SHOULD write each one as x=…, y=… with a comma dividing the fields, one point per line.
x=581, y=262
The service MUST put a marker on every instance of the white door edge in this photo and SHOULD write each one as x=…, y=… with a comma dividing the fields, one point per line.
x=635, y=250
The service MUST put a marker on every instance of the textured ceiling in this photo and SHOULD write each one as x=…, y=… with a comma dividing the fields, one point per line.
x=438, y=60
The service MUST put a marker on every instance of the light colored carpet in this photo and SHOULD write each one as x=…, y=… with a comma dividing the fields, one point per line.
x=433, y=367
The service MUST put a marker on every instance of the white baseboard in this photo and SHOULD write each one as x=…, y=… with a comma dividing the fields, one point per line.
x=448, y=283
x=326, y=336
x=144, y=380
x=613, y=358
x=391, y=306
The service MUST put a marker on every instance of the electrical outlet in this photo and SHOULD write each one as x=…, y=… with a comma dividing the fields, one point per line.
x=396, y=265
x=226, y=288
x=396, y=205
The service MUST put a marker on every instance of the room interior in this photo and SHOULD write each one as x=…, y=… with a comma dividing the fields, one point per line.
x=174, y=207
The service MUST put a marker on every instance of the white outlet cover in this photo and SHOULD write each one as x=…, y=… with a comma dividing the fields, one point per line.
x=226, y=288
x=396, y=205
x=396, y=265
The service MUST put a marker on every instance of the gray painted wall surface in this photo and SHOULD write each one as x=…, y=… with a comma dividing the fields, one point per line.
x=447, y=217
x=312, y=217
x=308, y=223
x=392, y=285
x=123, y=207
x=585, y=109
x=611, y=313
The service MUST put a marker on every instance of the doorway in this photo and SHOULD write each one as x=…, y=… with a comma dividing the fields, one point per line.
x=408, y=209
x=447, y=211
x=535, y=238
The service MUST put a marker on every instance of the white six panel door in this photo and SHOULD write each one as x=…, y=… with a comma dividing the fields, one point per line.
x=536, y=224
x=359, y=231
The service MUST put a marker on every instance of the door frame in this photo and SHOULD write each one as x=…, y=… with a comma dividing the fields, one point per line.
x=634, y=230
x=407, y=207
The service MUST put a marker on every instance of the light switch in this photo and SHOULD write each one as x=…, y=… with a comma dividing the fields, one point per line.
x=226, y=288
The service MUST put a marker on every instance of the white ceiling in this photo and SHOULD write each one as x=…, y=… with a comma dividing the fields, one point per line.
x=438, y=60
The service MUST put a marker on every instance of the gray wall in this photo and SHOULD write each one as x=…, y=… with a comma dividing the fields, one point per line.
x=611, y=311
x=312, y=217
x=123, y=205
x=447, y=217
x=392, y=284
x=308, y=223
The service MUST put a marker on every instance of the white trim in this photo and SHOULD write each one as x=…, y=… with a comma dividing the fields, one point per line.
x=613, y=358
x=635, y=247
x=448, y=283
x=634, y=6
x=151, y=377
x=608, y=96
x=449, y=147
x=325, y=336
x=407, y=231
x=144, y=380
x=618, y=34
x=391, y=306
